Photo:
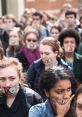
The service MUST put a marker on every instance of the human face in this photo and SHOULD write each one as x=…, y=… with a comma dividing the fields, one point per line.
x=47, y=55
x=9, y=24
x=70, y=20
x=13, y=38
x=31, y=41
x=9, y=78
x=69, y=44
x=79, y=106
x=54, y=32
x=60, y=93
x=36, y=20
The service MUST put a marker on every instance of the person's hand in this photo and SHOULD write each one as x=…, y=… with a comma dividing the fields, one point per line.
x=64, y=108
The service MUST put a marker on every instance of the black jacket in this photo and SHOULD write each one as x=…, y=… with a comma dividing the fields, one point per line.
x=35, y=70
x=20, y=107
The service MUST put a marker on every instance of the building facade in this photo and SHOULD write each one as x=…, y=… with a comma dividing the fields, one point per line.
x=16, y=7
x=50, y=5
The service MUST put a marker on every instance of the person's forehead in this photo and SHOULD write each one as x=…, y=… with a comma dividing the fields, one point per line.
x=36, y=16
x=70, y=15
x=7, y=71
x=13, y=33
x=63, y=84
x=45, y=46
x=69, y=39
x=55, y=30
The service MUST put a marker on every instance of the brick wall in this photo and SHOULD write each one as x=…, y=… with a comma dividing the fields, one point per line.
x=47, y=5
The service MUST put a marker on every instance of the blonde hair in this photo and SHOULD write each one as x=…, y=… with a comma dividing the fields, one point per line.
x=31, y=30
x=6, y=62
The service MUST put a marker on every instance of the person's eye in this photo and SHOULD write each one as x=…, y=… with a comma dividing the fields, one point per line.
x=2, y=79
x=12, y=78
x=66, y=42
x=41, y=53
x=79, y=107
x=47, y=53
x=72, y=42
x=59, y=91
x=69, y=89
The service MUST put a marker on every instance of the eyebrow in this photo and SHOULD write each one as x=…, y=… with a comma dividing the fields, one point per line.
x=64, y=89
x=80, y=104
x=7, y=76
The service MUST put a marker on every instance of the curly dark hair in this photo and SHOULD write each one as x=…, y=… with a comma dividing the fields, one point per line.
x=69, y=33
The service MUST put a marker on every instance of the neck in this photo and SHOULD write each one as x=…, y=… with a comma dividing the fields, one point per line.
x=71, y=26
x=52, y=65
x=10, y=100
x=69, y=57
x=55, y=63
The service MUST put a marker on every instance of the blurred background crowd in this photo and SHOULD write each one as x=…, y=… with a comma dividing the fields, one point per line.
x=42, y=35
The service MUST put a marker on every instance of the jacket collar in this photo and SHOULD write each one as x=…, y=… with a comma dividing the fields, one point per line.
x=48, y=111
x=20, y=98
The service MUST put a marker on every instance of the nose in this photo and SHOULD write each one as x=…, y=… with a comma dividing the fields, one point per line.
x=66, y=95
x=7, y=83
x=43, y=56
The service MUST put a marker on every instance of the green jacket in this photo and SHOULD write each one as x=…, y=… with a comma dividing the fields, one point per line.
x=77, y=67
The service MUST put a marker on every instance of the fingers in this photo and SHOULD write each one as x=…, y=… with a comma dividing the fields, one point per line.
x=71, y=98
x=63, y=101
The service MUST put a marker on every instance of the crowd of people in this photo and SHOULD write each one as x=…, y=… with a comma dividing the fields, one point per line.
x=41, y=64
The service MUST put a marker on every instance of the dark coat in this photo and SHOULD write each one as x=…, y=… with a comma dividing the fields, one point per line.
x=77, y=67
x=35, y=70
x=20, y=55
x=20, y=107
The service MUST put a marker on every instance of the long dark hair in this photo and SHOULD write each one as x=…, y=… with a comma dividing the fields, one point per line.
x=50, y=77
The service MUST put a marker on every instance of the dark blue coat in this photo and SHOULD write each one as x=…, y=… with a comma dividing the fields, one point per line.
x=34, y=71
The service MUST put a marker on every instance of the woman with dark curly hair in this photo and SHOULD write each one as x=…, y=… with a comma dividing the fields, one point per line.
x=69, y=40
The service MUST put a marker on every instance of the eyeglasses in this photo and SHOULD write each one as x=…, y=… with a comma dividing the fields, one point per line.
x=31, y=40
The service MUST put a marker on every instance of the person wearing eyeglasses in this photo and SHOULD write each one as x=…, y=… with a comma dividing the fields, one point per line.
x=50, y=57
x=29, y=52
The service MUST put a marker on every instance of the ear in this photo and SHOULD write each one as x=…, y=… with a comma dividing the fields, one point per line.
x=56, y=53
x=46, y=93
x=20, y=80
